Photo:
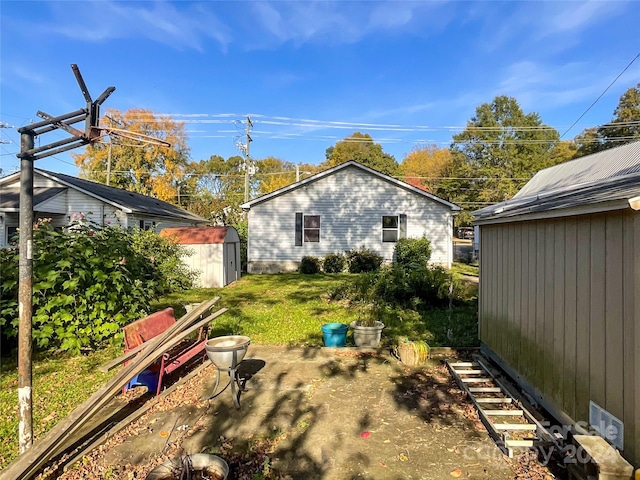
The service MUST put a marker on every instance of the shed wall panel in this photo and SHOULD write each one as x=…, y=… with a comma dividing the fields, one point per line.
x=576, y=318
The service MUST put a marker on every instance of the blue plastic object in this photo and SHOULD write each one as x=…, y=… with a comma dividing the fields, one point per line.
x=335, y=334
x=147, y=378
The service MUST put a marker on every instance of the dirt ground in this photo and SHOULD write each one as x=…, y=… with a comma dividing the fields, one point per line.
x=313, y=414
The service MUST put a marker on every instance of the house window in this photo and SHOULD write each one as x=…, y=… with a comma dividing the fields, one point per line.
x=307, y=228
x=312, y=228
x=11, y=231
x=390, y=228
x=147, y=225
x=394, y=227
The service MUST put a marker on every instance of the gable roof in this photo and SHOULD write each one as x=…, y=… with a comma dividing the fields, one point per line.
x=605, y=180
x=129, y=202
x=343, y=166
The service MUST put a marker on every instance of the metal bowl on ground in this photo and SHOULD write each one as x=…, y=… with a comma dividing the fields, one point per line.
x=198, y=465
x=227, y=351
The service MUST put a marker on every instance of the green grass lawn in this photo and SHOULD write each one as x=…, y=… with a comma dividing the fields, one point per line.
x=284, y=309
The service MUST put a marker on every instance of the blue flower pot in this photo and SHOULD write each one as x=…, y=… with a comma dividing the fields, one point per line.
x=335, y=334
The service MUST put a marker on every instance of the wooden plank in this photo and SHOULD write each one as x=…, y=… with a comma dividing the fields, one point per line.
x=530, y=350
x=515, y=316
x=523, y=346
x=114, y=429
x=198, y=311
x=557, y=372
x=519, y=443
x=515, y=426
x=597, y=345
x=570, y=312
x=583, y=294
x=475, y=379
x=631, y=342
x=494, y=399
x=545, y=376
x=469, y=372
x=484, y=389
x=537, y=358
x=503, y=413
x=47, y=447
x=614, y=339
x=633, y=357
x=464, y=364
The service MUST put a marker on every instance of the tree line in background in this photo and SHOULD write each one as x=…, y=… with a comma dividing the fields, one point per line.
x=500, y=149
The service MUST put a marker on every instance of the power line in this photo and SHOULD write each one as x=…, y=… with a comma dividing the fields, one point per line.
x=601, y=95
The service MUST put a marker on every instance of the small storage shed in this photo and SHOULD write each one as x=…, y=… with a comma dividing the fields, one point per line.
x=216, y=253
x=559, y=301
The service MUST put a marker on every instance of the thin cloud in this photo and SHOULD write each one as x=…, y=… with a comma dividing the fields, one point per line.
x=336, y=23
x=187, y=28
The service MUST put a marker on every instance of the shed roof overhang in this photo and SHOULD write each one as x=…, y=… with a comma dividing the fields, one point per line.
x=612, y=194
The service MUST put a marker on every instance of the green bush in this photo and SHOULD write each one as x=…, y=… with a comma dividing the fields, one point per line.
x=309, y=265
x=412, y=252
x=87, y=283
x=363, y=260
x=334, y=263
x=175, y=275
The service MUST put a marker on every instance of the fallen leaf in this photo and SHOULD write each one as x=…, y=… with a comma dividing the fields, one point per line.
x=382, y=464
x=164, y=434
x=456, y=473
x=365, y=434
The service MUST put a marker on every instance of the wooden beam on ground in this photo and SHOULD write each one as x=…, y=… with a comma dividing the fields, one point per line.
x=31, y=461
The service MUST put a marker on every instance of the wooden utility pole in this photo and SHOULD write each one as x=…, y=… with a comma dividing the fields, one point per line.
x=246, y=160
x=25, y=288
x=28, y=155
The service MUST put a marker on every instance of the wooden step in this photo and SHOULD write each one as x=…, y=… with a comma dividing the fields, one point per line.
x=485, y=389
x=505, y=413
x=494, y=400
x=518, y=443
x=469, y=372
x=464, y=364
x=515, y=426
x=475, y=380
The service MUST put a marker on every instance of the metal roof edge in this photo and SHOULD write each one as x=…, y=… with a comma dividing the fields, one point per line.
x=555, y=213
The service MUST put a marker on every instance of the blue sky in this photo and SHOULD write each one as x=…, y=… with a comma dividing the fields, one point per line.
x=311, y=73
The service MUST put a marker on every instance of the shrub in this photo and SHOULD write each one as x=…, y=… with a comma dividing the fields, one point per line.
x=334, y=263
x=412, y=252
x=88, y=282
x=309, y=265
x=167, y=255
x=363, y=260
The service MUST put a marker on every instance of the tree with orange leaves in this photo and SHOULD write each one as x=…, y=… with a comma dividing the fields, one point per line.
x=425, y=165
x=134, y=155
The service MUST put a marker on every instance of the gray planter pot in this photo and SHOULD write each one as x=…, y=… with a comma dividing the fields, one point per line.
x=367, y=336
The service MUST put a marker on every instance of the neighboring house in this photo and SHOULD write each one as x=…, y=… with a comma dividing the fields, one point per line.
x=344, y=208
x=59, y=197
x=214, y=253
x=559, y=301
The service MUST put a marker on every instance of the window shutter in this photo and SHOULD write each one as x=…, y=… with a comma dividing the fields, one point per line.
x=298, y=229
x=403, y=225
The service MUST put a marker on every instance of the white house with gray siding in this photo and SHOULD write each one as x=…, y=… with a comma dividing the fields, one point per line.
x=559, y=300
x=62, y=197
x=344, y=208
